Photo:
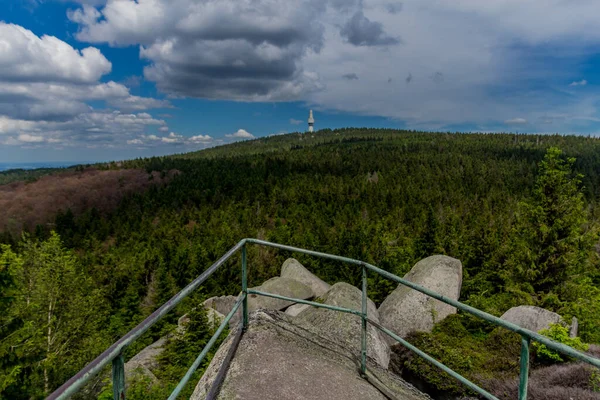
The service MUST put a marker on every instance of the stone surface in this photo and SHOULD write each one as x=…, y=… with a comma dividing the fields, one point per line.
x=283, y=287
x=574, y=330
x=292, y=269
x=223, y=304
x=146, y=361
x=279, y=360
x=296, y=309
x=405, y=310
x=532, y=318
x=346, y=328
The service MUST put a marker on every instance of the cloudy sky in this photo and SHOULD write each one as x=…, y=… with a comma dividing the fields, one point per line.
x=96, y=80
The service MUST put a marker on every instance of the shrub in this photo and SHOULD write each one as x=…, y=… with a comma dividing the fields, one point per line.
x=558, y=333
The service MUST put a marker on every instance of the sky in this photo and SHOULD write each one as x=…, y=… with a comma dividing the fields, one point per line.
x=97, y=80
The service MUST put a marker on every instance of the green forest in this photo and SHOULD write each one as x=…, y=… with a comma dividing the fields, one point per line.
x=520, y=212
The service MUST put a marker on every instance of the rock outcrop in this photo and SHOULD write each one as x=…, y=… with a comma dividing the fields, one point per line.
x=292, y=269
x=278, y=360
x=346, y=328
x=532, y=318
x=222, y=304
x=296, y=309
x=283, y=287
x=405, y=310
x=146, y=361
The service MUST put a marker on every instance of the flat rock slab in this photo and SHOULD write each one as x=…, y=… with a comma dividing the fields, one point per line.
x=278, y=360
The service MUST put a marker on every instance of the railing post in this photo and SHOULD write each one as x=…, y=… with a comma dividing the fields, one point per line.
x=363, y=361
x=244, y=289
x=524, y=368
x=118, y=377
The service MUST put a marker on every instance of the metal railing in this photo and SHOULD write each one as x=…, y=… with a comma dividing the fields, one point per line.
x=114, y=354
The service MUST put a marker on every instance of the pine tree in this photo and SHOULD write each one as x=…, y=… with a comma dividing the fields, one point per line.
x=549, y=241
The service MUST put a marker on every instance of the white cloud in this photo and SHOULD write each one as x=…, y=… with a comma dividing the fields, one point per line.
x=516, y=121
x=45, y=88
x=429, y=63
x=582, y=82
x=135, y=141
x=295, y=121
x=100, y=129
x=27, y=57
x=200, y=138
x=241, y=134
x=164, y=129
x=25, y=137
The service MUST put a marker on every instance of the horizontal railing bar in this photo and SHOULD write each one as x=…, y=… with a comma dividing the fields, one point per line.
x=435, y=362
x=461, y=306
x=311, y=303
x=205, y=350
x=71, y=386
x=304, y=251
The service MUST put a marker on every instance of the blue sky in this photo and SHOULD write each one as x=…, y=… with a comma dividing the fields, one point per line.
x=114, y=79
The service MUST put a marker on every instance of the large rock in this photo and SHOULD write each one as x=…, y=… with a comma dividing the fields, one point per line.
x=222, y=304
x=346, y=328
x=279, y=360
x=145, y=362
x=296, y=309
x=283, y=287
x=405, y=310
x=292, y=269
x=532, y=318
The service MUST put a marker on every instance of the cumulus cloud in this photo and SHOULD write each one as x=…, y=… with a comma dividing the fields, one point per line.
x=45, y=89
x=582, y=82
x=87, y=129
x=25, y=57
x=469, y=62
x=230, y=49
x=516, y=121
x=361, y=31
x=200, y=138
x=25, y=137
x=241, y=134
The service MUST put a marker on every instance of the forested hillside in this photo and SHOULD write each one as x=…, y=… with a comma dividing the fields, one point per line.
x=525, y=230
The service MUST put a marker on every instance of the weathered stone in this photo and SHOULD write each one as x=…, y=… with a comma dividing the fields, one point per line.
x=146, y=361
x=283, y=287
x=574, y=328
x=405, y=310
x=532, y=318
x=296, y=309
x=223, y=304
x=278, y=360
x=292, y=269
x=346, y=328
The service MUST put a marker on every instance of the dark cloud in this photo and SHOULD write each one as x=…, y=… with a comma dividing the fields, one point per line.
x=361, y=31
x=351, y=77
x=409, y=78
x=394, y=8
x=389, y=80
x=227, y=49
x=438, y=77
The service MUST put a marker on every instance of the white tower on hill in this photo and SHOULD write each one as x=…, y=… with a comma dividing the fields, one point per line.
x=311, y=122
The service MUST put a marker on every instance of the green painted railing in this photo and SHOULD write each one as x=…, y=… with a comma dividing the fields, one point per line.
x=114, y=354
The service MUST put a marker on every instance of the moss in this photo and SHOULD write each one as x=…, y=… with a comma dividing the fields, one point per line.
x=475, y=355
